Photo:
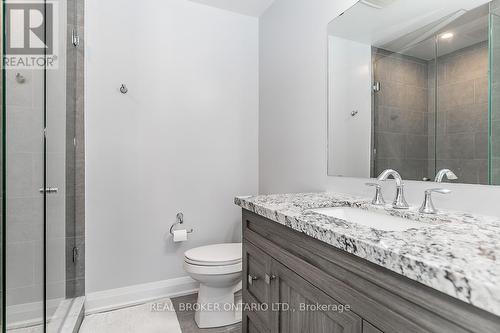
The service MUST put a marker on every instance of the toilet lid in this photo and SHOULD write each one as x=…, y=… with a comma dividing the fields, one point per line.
x=215, y=255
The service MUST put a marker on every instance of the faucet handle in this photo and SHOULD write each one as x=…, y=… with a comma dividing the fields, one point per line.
x=428, y=206
x=378, y=200
x=438, y=190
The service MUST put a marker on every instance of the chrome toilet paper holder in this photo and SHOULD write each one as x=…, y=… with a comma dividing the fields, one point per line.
x=179, y=220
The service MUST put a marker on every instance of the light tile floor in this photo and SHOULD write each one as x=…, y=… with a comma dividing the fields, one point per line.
x=187, y=323
x=155, y=317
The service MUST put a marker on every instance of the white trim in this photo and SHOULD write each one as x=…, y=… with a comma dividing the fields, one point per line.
x=112, y=299
x=73, y=318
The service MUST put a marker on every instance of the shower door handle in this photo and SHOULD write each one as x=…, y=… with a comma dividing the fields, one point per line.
x=49, y=190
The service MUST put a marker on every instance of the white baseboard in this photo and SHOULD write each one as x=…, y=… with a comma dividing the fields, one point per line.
x=113, y=299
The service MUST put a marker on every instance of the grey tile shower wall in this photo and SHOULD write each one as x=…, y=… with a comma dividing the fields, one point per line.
x=462, y=113
x=431, y=121
x=410, y=134
x=80, y=152
x=70, y=150
x=75, y=220
x=495, y=93
x=80, y=155
x=401, y=116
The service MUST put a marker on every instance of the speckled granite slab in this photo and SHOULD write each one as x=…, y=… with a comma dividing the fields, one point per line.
x=455, y=253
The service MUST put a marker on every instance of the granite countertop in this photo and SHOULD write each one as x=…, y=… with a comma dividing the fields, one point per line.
x=455, y=253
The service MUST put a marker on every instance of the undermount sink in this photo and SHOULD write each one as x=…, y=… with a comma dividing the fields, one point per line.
x=370, y=219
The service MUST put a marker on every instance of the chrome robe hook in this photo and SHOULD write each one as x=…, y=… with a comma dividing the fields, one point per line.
x=123, y=89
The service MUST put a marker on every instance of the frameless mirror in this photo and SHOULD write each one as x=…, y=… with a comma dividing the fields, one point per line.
x=414, y=86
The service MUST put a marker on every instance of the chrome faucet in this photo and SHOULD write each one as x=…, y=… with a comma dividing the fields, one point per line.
x=445, y=173
x=399, y=201
x=378, y=200
x=428, y=206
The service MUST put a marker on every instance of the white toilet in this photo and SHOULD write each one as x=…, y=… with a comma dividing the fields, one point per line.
x=218, y=268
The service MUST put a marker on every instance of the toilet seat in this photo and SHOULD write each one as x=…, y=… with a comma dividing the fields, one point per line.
x=213, y=270
x=215, y=255
x=213, y=263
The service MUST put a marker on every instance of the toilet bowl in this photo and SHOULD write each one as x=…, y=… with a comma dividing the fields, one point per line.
x=218, y=269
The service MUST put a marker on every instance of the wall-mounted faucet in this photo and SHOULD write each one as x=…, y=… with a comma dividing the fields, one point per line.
x=445, y=173
x=400, y=201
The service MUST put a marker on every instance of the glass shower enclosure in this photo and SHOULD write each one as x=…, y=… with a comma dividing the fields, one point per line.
x=438, y=88
x=39, y=234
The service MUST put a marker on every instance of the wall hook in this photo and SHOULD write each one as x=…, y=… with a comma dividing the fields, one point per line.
x=123, y=89
x=20, y=78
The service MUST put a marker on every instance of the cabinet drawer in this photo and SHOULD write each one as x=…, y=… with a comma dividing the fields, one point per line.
x=256, y=290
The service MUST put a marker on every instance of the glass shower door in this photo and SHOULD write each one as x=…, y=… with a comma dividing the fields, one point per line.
x=55, y=233
x=39, y=107
x=24, y=117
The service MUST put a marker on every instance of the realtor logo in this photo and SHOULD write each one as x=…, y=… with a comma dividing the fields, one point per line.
x=31, y=34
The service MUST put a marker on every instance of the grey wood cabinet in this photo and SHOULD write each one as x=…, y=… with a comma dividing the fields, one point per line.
x=369, y=328
x=298, y=310
x=255, y=289
x=286, y=303
x=294, y=283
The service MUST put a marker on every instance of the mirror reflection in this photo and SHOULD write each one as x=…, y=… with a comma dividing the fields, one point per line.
x=409, y=89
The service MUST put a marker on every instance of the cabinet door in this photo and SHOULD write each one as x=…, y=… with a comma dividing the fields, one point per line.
x=252, y=324
x=256, y=285
x=369, y=328
x=304, y=308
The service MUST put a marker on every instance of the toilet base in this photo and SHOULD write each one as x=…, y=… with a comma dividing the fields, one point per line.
x=217, y=306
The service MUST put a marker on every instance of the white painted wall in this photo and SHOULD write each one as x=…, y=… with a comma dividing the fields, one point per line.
x=293, y=111
x=183, y=139
x=349, y=90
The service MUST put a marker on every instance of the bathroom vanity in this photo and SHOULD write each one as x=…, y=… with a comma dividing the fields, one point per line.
x=412, y=94
x=306, y=271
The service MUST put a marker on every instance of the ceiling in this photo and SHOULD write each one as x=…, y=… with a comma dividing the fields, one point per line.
x=470, y=28
x=403, y=26
x=245, y=7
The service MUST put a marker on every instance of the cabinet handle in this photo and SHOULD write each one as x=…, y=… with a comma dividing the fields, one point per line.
x=269, y=278
x=251, y=279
